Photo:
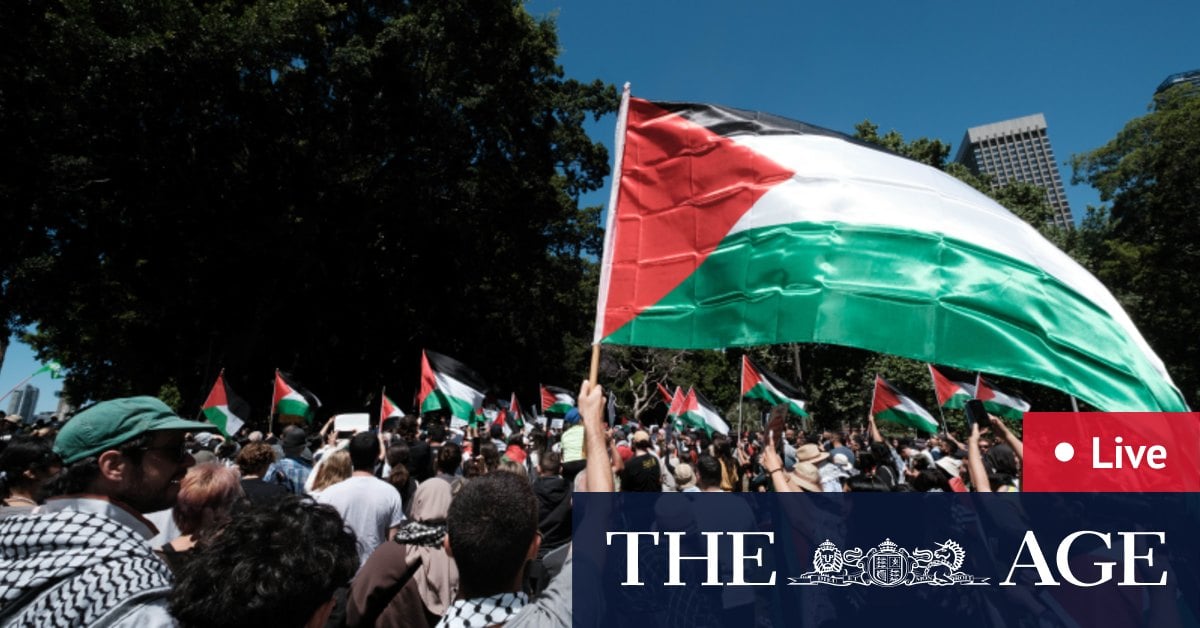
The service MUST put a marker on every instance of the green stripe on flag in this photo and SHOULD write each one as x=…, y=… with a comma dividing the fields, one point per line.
x=918, y=295
x=292, y=407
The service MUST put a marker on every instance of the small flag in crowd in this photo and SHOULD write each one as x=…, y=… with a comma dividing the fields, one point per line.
x=698, y=412
x=998, y=402
x=292, y=399
x=509, y=419
x=447, y=384
x=225, y=409
x=758, y=383
x=665, y=394
x=675, y=409
x=953, y=388
x=889, y=404
x=388, y=410
x=556, y=401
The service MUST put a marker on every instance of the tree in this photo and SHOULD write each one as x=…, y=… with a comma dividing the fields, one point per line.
x=316, y=186
x=1148, y=250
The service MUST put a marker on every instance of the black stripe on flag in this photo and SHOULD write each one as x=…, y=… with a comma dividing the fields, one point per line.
x=788, y=390
x=447, y=365
x=731, y=122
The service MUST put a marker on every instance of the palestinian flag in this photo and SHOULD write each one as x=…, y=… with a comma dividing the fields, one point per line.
x=889, y=404
x=699, y=413
x=509, y=419
x=759, y=383
x=664, y=393
x=998, y=402
x=556, y=401
x=388, y=409
x=447, y=384
x=292, y=400
x=224, y=408
x=734, y=228
x=675, y=409
x=953, y=388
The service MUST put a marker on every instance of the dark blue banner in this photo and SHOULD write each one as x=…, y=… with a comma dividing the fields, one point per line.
x=886, y=560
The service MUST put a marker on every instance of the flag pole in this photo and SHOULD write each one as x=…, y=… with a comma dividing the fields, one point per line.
x=945, y=427
x=741, y=394
x=1074, y=404
x=610, y=221
x=271, y=417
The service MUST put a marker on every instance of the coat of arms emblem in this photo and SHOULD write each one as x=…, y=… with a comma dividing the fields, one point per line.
x=888, y=565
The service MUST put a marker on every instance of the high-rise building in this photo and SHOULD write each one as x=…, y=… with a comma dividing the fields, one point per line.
x=24, y=401
x=1017, y=150
x=1191, y=76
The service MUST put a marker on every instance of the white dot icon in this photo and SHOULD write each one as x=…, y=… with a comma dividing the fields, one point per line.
x=1064, y=452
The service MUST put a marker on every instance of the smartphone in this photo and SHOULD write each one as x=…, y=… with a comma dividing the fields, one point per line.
x=976, y=414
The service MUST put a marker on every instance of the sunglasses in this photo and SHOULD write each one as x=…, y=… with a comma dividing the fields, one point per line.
x=174, y=453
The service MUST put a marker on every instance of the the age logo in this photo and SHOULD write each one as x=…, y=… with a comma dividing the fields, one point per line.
x=1112, y=452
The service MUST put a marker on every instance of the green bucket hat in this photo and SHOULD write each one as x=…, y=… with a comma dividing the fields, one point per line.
x=107, y=424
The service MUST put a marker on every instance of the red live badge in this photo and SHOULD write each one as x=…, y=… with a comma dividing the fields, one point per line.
x=1111, y=452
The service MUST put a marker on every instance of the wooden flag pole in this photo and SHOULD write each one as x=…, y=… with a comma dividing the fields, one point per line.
x=594, y=372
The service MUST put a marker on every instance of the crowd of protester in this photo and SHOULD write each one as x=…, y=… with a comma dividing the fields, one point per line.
x=412, y=524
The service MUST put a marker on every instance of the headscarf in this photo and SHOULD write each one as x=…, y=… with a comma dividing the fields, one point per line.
x=437, y=577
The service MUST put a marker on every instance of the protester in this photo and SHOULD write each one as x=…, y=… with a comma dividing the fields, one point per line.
x=25, y=466
x=206, y=498
x=420, y=460
x=399, y=476
x=369, y=506
x=641, y=473
x=253, y=461
x=830, y=474
x=412, y=580
x=335, y=468
x=553, y=494
x=685, y=479
x=274, y=565
x=296, y=464
x=124, y=458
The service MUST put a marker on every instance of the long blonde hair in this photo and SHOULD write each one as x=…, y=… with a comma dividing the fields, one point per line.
x=335, y=467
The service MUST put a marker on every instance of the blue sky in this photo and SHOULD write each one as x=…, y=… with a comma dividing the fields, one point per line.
x=923, y=68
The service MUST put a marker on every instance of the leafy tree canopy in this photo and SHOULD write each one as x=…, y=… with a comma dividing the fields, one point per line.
x=324, y=187
x=1146, y=246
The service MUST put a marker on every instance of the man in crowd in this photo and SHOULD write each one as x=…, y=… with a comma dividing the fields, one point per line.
x=124, y=458
x=371, y=507
x=490, y=565
x=554, y=502
x=642, y=473
x=300, y=553
x=294, y=466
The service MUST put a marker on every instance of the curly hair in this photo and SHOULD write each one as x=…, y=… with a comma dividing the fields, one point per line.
x=255, y=458
x=274, y=565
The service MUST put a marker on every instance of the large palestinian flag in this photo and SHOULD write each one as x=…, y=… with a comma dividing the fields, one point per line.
x=699, y=413
x=556, y=401
x=730, y=228
x=224, y=409
x=889, y=404
x=450, y=385
x=1008, y=405
x=954, y=388
x=292, y=402
x=759, y=383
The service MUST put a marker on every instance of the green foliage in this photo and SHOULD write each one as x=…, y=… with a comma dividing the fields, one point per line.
x=316, y=186
x=1146, y=245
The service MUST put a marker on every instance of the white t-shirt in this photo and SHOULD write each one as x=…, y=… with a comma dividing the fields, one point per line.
x=369, y=506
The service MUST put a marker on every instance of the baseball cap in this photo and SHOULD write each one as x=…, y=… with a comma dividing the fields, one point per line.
x=107, y=424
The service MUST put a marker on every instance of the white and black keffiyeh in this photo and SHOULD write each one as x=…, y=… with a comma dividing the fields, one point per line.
x=483, y=611
x=72, y=569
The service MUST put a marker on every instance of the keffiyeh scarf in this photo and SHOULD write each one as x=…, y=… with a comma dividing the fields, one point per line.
x=483, y=611
x=73, y=568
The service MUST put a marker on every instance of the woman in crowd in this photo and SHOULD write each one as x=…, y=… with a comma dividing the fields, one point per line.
x=335, y=468
x=25, y=465
x=411, y=581
x=253, y=461
x=207, y=495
